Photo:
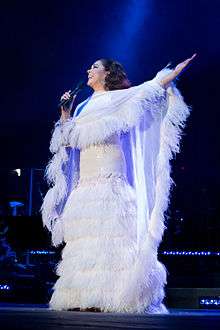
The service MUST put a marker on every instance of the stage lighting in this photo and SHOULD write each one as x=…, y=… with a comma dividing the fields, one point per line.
x=5, y=287
x=190, y=253
x=18, y=171
x=209, y=302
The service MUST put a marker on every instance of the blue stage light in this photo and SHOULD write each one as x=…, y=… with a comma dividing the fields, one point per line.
x=40, y=252
x=190, y=253
x=124, y=40
x=5, y=287
x=209, y=301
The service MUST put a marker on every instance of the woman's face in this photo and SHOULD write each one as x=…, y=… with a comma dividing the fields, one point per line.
x=96, y=76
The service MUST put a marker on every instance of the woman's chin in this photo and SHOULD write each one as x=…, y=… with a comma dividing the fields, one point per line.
x=89, y=83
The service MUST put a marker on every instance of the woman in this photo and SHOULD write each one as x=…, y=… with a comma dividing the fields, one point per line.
x=110, y=178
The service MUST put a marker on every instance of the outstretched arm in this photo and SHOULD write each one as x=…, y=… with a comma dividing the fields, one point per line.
x=176, y=72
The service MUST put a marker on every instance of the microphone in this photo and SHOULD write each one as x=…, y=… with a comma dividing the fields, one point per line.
x=81, y=84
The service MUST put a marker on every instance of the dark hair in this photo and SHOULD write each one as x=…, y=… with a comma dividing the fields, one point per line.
x=116, y=78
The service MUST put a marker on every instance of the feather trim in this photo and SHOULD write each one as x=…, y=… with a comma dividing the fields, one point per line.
x=171, y=131
x=60, y=135
x=56, y=194
x=150, y=98
x=101, y=129
x=55, y=177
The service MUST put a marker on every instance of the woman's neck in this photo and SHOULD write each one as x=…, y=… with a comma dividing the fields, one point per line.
x=98, y=87
x=101, y=89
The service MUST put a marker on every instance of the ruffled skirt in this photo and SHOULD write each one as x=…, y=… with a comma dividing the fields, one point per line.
x=101, y=265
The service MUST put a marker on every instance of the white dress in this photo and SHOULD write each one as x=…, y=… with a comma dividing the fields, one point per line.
x=102, y=263
x=100, y=259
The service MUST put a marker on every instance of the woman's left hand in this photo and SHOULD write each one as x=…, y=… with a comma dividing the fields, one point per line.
x=165, y=82
x=183, y=65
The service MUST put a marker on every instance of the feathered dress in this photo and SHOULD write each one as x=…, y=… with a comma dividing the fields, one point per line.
x=110, y=178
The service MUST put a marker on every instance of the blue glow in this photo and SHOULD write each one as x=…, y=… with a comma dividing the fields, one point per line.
x=190, y=253
x=126, y=33
x=5, y=287
x=41, y=252
x=210, y=301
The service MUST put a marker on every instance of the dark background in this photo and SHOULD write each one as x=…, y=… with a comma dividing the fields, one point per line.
x=46, y=47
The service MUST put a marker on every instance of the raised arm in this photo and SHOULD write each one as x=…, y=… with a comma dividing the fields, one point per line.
x=164, y=82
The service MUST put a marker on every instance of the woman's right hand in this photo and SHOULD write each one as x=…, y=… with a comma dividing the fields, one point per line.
x=68, y=107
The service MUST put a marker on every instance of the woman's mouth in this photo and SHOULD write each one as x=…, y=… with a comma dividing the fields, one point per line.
x=90, y=76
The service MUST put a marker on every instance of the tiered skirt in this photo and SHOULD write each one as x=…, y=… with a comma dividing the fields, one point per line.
x=101, y=264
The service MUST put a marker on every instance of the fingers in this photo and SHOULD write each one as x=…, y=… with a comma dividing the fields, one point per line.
x=194, y=55
x=66, y=95
x=191, y=58
x=188, y=60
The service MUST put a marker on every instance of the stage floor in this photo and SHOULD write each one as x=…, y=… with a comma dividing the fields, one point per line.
x=38, y=317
